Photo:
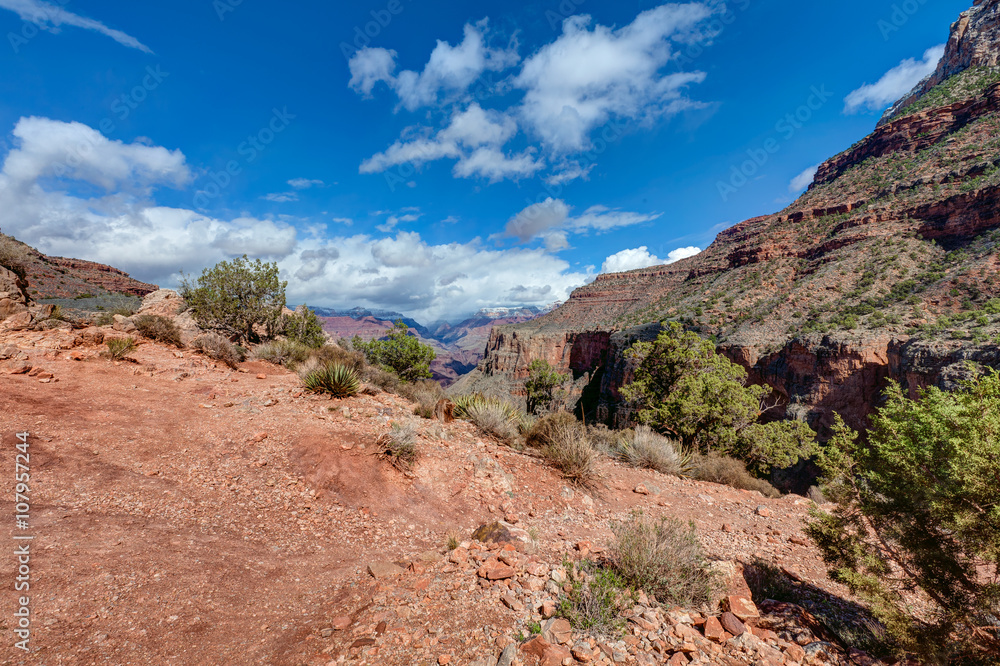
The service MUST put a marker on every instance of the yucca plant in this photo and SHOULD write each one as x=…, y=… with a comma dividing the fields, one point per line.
x=337, y=380
x=647, y=449
x=120, y=348
x=493, y=416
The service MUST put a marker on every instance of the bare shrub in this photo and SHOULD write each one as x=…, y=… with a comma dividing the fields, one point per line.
x=158, y=328
x=220, y=349
x=287, y=353
x=730, y=472
x=664, y=558
x=120, y=348
x=547, y=429
x=426, y=393
x=399, y=446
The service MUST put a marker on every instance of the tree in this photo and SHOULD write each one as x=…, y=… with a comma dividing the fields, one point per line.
x=399, y=352
x=303, y=326
x=241, y=298
x=918, y=508
x=682, y=387
x=542, y=382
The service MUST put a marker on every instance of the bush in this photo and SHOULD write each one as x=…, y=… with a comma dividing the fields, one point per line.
x=218, y=348
x=120, y=348
x=547, y=429
x=426, y=394
x=542, y=383
x=663, y=558
x=493, y=416
x=399, y=352
x=303, y=327
x=596, y=606
x=399, y=446
x=335, y=353
x=565, y=443
x=14, y=256
x=282, y=352
x=605, y=440
x=714, y=468
x=644, y=448
x=158, y=328
x=917, y=507
x=333, y=379
x=240, y=298
x=683, y=387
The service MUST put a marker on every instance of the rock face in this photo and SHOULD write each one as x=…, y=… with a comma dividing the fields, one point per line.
x=887, y=268
x=168, y=303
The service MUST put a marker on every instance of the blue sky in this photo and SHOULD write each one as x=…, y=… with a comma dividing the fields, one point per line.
x=424, y=156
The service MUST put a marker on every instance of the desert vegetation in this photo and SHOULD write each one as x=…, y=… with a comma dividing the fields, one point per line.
x=400, y=353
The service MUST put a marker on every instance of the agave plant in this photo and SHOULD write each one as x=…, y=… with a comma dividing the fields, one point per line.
x=338, y=380
x=492, y=415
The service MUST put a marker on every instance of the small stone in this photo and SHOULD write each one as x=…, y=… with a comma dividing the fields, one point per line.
x=261, y=376
x=583, y=653
x=763, y=512
x=459, y=556
x=380, y=570
x=732, y=624
x=557, y=631
x=641, y=489
x=742, y=608
x=444, y=659
x=510, y=601
x=584, y=548
x=507, y=657
x=547, y=609
x=678, y=659
x=260, y=437
x=795, y=653
x=326, y=633
x=727, y=528
x=340, y=623
x=512, y=518
x=714, y=630
x=494, y=569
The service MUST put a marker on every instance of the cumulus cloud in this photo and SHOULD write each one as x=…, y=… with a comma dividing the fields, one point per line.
x=641, y=257
x=474, y=137
x=550, y=220
x=894, y=84
x=305, y=183
x=449, y=71
x=118, y=222
x=588, y=76
x=50, y=17
x=803, y=180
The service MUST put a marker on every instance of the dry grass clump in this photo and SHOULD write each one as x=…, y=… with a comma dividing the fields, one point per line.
x=161, y=329
x=647, y=449
x=565, y=443
x=663, y=558
x=219, y=348
x=399, y=446
x=120, y=348
x=730, y=472
x=287, y=353
x=547, y=428
x=426, y=393
x=339, y=381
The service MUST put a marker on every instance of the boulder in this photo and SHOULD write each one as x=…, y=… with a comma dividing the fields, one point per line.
x=168, y=303
x=123, y=324
x=16, y=322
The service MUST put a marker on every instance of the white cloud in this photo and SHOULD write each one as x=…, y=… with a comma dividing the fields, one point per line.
x=641, y=257
x=281, y=197
x=449, y=71
x=551, y=220
x=394, y=220
x=48, y=16
x=894, y=84
x=803, y=180
x=124, y=227
x=568, y=172
x=305, y=183
x=474, y=137
x=587, y=77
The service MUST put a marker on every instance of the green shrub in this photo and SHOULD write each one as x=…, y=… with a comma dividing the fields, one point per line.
x=120, y=348
x=241, y=298
x=282, y=352
x=158, y=328
x=596, y=606
x=547, y=429
x=399, y=352
x=14, y=256
x=917, y=507
x=493, y=416
x=663, y=558
x=646, y=449
x=541, y=385
x=399, y=446
x=714, y=468
x=220, y=349
x=303, y=327
x=333, y=379
x=684, y=388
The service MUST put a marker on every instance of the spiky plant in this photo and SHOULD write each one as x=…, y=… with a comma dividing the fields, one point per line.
x=334, y=379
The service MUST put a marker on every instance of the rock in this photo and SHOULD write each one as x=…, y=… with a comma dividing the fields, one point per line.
x=19, y=367
x=732, y=624
x=494, y=569
x=507, y=656
x=16, y=322
x=727, y=528
x=820, y=650
x=380, y=570
x=123, y=324
x=677, y=659
x=547, y=609
x=444, y=659
x=459, y=556
x=742, y=608
x=641, y=489
x=795, y=653
x=10, y=307
x=763, y=512
x=714, y=630
x=546, y=653
x=511, y=601
x=495, y=532
x=92, y=336
x=340, y=623
x=557, y=631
